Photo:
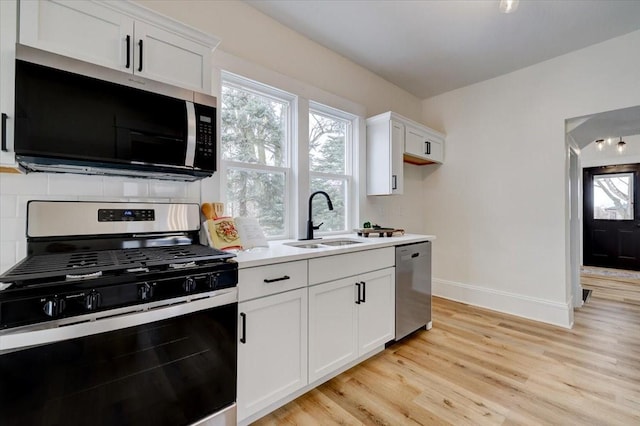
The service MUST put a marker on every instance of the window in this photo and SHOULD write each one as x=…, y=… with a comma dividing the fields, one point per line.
x=330, y=165
x=256, y=123
x=268, y=170
x=612, y=196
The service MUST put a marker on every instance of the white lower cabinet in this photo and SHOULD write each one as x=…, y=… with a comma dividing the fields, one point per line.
x=349, y=318
x=272, y=351
x=376, y=313
x=333, y=338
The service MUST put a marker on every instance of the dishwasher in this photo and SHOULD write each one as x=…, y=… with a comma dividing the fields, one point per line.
x=413, y=288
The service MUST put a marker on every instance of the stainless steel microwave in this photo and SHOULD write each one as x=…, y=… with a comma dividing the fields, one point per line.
x=81, y=118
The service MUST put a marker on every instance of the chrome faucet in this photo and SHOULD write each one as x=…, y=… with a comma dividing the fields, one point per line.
x=310, y=227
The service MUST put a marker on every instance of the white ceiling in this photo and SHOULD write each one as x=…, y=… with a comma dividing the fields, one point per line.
x=433, y=46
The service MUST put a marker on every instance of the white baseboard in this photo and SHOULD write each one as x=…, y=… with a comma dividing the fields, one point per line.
x=547, y=311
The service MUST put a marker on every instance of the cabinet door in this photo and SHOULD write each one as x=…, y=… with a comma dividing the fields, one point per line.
x=423, y=146
x=397, y=150
x=272, y=352
x=79, y=29
x=332, y=326
x=8, y=27
x=376, y=319
x=414, y=143
x=434, y=150
x=164, y=56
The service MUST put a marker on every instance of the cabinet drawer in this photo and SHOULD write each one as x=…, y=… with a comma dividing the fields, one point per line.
x=265, y=280
x=330, y=268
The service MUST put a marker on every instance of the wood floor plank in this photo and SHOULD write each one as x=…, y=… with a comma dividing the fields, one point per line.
x=480, y=367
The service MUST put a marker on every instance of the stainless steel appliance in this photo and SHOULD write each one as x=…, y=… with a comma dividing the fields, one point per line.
x=413, y=288
x=118, y=316
x=82, y=118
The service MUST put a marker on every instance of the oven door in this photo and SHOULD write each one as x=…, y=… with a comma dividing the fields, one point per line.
x=172, y=365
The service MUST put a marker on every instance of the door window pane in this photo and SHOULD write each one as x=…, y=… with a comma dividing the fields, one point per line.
x=613, y=196
x=334, y=220
x=259, y=194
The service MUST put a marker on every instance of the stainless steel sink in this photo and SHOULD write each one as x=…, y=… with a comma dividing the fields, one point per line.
x=322, y=243
x=304, y=245
x=339, y=242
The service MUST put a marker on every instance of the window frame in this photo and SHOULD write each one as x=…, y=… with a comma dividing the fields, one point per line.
x=352, y=121
x=289, y=168
x=240, y=72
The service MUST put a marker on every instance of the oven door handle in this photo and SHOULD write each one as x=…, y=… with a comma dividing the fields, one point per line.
x=37, y=335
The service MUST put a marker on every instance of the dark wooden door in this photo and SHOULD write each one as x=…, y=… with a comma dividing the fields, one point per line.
x=611, y=233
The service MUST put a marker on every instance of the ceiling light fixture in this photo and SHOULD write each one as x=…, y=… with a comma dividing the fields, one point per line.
x=621, y=145
x=600, y=144
x=508, y=6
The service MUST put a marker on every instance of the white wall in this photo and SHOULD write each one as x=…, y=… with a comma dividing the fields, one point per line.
x=499, y=205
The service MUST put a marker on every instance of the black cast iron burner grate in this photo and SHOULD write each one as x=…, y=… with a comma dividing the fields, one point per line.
x=90, y=262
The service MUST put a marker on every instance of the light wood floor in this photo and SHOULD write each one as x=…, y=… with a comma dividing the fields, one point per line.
x=478, y=367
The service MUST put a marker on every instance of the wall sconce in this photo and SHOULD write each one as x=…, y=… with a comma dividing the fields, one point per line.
x=621, y=145
x=508, y=6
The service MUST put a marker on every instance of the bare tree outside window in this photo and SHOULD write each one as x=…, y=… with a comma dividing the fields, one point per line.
x=612, y=195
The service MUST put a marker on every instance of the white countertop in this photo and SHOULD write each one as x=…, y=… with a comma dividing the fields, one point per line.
x=279, y=251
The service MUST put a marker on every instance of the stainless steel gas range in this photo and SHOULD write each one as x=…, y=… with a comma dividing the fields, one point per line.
x=118, y=316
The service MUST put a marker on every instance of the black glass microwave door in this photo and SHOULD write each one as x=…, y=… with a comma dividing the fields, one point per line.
x=138, y=141
x=172, y=372
x=66, y=115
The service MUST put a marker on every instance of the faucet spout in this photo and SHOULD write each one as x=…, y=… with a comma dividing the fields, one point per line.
x=310, y=226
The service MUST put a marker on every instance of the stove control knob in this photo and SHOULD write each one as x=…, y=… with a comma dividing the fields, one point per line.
x=145, y=291
x=189, y=284
x=212, y=281
x=92, y=301
x=54, y=307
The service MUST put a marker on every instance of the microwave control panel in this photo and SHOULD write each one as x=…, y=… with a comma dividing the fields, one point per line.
x=205, y=156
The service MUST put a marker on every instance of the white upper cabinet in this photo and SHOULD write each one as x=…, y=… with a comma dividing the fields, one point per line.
x=79, y=29
x=161, y=55
x=385, y=145
x=8, y=27
x=392, y=139
x=122, y=36
x=423, y=146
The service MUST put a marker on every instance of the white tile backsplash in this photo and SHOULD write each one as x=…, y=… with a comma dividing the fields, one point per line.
x=69, y=184
x=7, y=252
x=16, y=190
x=122, y=188
x=9, y=206
x=21, y=184
x=167, y=189
x=10, y=229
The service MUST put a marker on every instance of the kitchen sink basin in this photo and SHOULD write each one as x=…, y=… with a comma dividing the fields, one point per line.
x=317, y=244
x=304, y=245
x=339, y=242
